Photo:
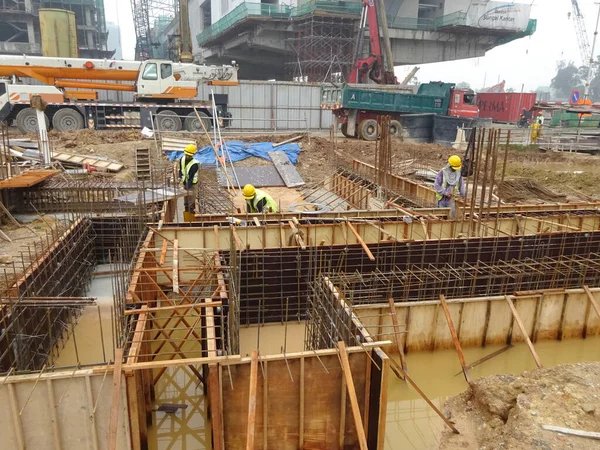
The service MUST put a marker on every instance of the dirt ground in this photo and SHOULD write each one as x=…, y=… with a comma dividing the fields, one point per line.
x=15, y=254
x=508, y=412
x=570, y=174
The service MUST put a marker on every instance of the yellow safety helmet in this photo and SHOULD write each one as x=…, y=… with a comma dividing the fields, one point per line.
x=455, y=162
x=249, y=192
x=190, y=149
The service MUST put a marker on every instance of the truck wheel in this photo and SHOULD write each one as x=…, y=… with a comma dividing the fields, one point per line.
x=168, y=121
x=192, y=123
x=344, y=129
x=368, y=130
x=67, y=119
x=27, y=121
x=395, y=129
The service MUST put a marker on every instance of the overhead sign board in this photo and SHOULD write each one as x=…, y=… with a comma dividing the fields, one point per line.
x=498, y=15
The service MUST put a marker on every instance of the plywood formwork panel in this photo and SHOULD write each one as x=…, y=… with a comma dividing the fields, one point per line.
x=471, y=328
x=574, y=316
x=422, y=325
x=500, y=320
x=550, y=316
x=526, y=308
x=59, y=410
x=321, y=414
x=443, y=336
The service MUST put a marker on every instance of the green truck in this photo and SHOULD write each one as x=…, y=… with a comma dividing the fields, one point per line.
x=358, y=109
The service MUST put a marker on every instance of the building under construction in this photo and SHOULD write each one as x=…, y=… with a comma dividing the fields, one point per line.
x=125, y=328
x=21, y=33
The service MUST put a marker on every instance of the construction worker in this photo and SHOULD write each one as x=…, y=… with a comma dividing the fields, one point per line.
x=536, y=128
x=188, y=175
x=258, y=201
x=449, y=183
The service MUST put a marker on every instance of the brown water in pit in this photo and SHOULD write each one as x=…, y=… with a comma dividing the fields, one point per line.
x=87, y=333
x=412, y=424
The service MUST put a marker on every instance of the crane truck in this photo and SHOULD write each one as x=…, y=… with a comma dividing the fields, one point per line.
x=357, y=109
x=163, y=90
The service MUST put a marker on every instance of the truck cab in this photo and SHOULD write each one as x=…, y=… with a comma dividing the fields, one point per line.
x=463, y=103
x=156, y=80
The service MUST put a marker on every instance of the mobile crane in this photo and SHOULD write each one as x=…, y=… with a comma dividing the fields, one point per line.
x=358, y=109
x=162, y=89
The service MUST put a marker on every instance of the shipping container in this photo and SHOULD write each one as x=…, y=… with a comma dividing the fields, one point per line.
x=504, y=106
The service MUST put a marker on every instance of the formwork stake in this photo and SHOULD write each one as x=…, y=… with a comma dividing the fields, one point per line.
x=461, y=356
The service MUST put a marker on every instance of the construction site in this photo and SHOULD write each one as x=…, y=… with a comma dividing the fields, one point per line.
x=150, y=301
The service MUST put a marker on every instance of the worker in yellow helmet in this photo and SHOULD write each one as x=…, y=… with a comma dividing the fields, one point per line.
x=188, y=175
x=449, y=184
x=258, y=201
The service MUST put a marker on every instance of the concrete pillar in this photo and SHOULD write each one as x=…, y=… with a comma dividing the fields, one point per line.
x=30, y=32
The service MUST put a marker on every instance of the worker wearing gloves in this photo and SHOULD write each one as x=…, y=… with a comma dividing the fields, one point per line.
x=188, y=175
x=258, y=201
x=449, y=183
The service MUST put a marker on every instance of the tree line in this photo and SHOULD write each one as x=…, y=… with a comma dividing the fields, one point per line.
x=569, y=76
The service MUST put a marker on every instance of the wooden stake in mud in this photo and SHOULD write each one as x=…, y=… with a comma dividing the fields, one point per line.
x=461, y=356
x=397, y=334
x=360, y=430
x=252, y=401
x=116, y=398
x=523, y=331
x=592, y=299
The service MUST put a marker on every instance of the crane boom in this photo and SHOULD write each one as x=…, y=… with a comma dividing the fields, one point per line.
x=581, y=31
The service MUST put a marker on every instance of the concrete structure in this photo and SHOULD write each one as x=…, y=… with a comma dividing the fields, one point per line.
x=113, y=41
x=20, y=26
x=307, y=40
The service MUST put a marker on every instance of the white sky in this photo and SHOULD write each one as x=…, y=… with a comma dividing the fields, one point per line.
x=530, y=61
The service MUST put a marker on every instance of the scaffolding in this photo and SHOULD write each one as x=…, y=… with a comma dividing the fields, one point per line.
x=150, y=18
x=322, y=49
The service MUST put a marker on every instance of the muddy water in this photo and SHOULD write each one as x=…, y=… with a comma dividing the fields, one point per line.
x=85, y=346
x=272, y=338
x=411, y=424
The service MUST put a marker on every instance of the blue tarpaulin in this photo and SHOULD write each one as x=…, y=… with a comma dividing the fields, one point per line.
x=241, y=150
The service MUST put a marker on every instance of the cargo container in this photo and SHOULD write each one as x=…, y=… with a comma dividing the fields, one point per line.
x=504, y=106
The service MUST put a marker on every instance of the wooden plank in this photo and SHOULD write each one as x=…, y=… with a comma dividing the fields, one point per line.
x=360, y=240
x=592, y=299
x=301, y=425
x=133, y=312
x=175, y=265
x=397, y=334
x=214, y=397
x=90, y=405
x=163, y=253
x=523, y=331
x=461, y=356
x=14, y=409
x=53, y=415
x=252, y=402
x=360, y=429
x=342, y=431
x=116, y=399
x=265, y=406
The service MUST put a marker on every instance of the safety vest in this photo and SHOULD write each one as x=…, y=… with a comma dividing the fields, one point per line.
x=439, y=196
x=185, y=170
x=258, y=197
